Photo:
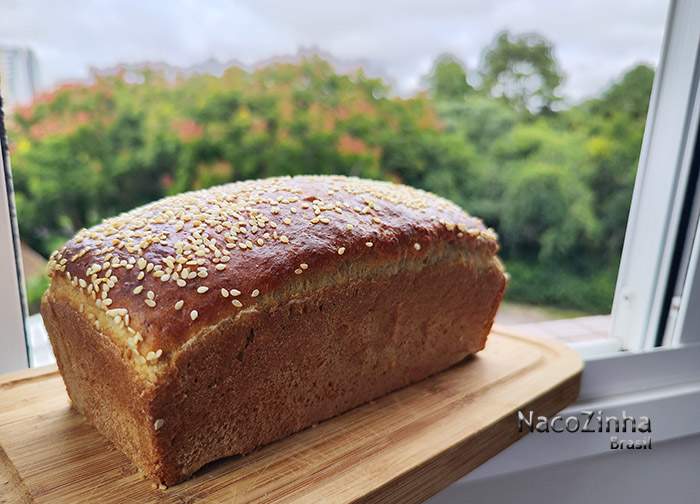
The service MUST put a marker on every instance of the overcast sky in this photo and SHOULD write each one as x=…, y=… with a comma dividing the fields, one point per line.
x=595, y=40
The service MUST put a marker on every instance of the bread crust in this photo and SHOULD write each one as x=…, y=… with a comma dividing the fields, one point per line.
x=347, y=329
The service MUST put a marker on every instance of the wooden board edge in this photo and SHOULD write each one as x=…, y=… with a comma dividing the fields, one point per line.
x=434, y=475
x=25, y=375
x=559, y=348
x=12, y=488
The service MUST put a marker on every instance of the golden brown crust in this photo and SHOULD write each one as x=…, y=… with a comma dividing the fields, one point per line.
x=249, y=237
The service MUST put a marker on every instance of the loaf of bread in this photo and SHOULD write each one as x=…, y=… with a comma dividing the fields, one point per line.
x=207, y=324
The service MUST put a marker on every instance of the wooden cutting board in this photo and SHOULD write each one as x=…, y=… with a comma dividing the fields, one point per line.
x=401, y=448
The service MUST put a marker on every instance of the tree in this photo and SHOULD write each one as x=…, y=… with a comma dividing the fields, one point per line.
x=522, y=70
x=629, y=95
x=615, y=126
x=549, y=213
x=448, y=79
x=88, y=151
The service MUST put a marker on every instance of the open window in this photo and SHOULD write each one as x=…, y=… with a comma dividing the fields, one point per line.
x=656, y=285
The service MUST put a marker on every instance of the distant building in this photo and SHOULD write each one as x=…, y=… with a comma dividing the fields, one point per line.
x=19, y=75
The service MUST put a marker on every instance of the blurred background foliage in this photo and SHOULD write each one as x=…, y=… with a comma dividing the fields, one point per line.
x=554, y=180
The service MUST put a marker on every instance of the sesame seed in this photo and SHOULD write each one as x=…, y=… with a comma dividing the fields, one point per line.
x=369, y=244
x=179, y=304
x=236, y=303
x=255, y=293
x=202, y=289
x=235, y=292
x=158, y=424
x=149, y=302
x=416, y=246
x=150, y=294
x=138, y=289
x=341, y=250
x=304, y=266
x=116, y=312
x=194, y=314
x=141, y=263
x=284, y=239
x=298, y=271
x=224, y=292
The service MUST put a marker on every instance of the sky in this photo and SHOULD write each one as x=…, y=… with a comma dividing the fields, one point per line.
x=595, y=40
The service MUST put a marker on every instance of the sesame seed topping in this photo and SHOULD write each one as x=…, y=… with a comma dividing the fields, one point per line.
x=236, y=303
x=194, y=314
x=196, y=235
x=158, y=424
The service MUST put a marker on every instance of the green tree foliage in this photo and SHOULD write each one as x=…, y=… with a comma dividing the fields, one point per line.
x=556, y=184
x=448, y=79
x=88, y=151
x=522, y=70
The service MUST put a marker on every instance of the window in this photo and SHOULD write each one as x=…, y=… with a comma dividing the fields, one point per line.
x=531, y=122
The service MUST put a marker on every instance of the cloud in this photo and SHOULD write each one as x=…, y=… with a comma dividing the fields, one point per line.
x=595, y=39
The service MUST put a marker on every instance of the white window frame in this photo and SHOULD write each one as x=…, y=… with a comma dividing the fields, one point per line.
x=660, y=185
x=13, y=342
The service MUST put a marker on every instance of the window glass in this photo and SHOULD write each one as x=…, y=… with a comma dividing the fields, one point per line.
x=529, y=114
